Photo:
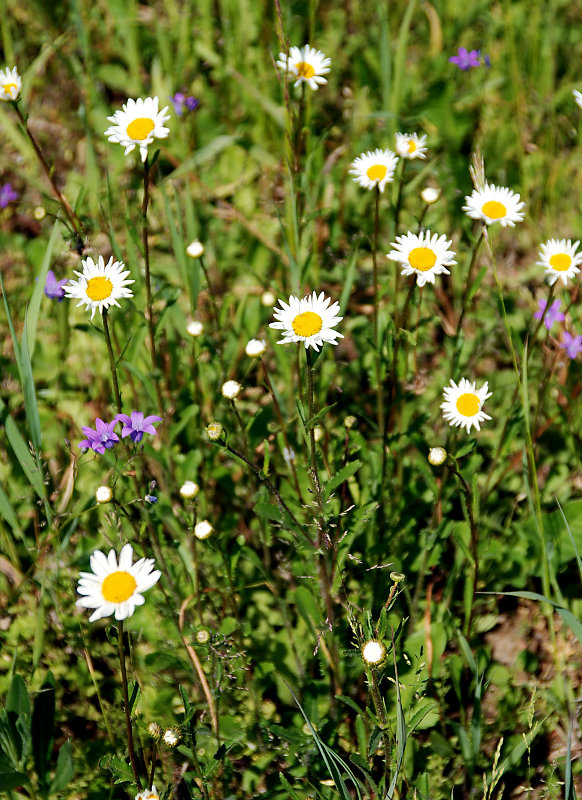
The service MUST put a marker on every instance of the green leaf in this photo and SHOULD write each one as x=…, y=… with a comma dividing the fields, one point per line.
x=30, y=404
x=17, y=698
x=12, y=780
x=25, y=460
x=345, y=472
x=309, y=423
x=64, y=770
x=38, y=293
x=8, y=514
x=119, y=768
x=42, y=729
x=400, y=733
x=288, y=786
x=571, y=621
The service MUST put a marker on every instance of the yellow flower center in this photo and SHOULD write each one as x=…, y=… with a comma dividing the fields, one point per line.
x=99, y=288
x=468, y=404
x=307, y=324
x=377, y=172
x=304, y=70
x=140, y=128
x=411, y=146
x=560, y=262
x=422, y=258
x=8, y=87
x=493, y=209
x=118, y=587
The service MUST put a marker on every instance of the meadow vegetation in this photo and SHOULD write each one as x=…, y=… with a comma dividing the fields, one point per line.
x=281, y=515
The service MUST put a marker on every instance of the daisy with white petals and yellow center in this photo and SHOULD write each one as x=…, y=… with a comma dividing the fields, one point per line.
x=411, y=145
x=137, y=124
x=374, y=168
x=10, y=84
x=424, y=256
x=310, y=320
x=100, y=285
x=306, y=64
x=463, y=404
x=495, y=204
x=116, y=588
x=560, y=259
x=148, y=794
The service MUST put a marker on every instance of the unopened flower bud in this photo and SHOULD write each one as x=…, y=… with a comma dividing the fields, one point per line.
x=268, y=299
x=430, y=195
x=189, y=490
x=373, y=652
x=195, y=328
x=103, y=494
x=203, y=636
x=214, y=431
x=437, y=456
x=350, y=422
x=155, y=730
x=203, y=529
x=231, y=389
x=171, y=737
x=255, y=348
x=195, y=249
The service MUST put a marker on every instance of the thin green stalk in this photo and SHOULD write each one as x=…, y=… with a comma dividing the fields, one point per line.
x=466, y=292
x=128, y=726
x=377, y=342
x=381, y=714
x=65, y=205
x=454, y=467
x=242, y=428
x=111, y=360
x=541, y=320
x=148, y=282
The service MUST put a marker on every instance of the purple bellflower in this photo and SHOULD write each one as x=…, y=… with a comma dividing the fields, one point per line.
x=553, y=315
x=466, y=60
x=102, y=438
x=136, y=425
x=54, y=288
x=7, y=195
x=182, y=103
x=571, y=344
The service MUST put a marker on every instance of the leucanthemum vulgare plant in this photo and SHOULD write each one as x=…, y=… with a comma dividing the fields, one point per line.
x=279, y=485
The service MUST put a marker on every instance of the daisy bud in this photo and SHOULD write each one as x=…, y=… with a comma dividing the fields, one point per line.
x=103, y=494
x=318, y=433
x=195, y=328
x=155, y=730
x=255, y=348
x=437, y=456
x=203, y=529
x=189, y=490
x=350, y=422
x=171, y=737
x=430, y=195
x=268, y=299
x=39, y=213
x=203, y=636
x=397, y=577
x=214, y=431
x=373, y=652
x=231, y=389
x=195, y=249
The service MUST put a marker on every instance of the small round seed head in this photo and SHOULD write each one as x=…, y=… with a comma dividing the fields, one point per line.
x=103, y=494
x=39, y=213
x=195, y=328
x=195, y=249
x=203, y=636
x=430, y=195
x=255, y=348
x=231, y=389
x=214, y=431
x=203, y=529
x=373, y=652
x=155, y=731
x=268, y=299
x=189, y=490
x=350, y=422
x=437, y=456
x=171, y=737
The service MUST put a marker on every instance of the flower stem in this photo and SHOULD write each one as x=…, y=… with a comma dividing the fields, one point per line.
x=128, y=727
x=146, y=255
x=454, y=467
x=541, y=320
x=111, y=361
x=466, y=292
x=377, y=343
x=381, y=714
x=65, y=205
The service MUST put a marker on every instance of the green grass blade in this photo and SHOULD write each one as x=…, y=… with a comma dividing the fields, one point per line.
x=38, y=292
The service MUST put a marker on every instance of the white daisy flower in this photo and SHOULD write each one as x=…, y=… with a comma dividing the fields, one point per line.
x=10, y=84
x=306, y=64
x=137, y=125
x=495, y=204
x=310, y=320
x=148, y=794
x=577, y=97
x=560, y=259
x=410, y=145
x=424, y=256
x=374, y=168
x=116, y=588
x=373, y=652
x=463, y=404
x=100, y=285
